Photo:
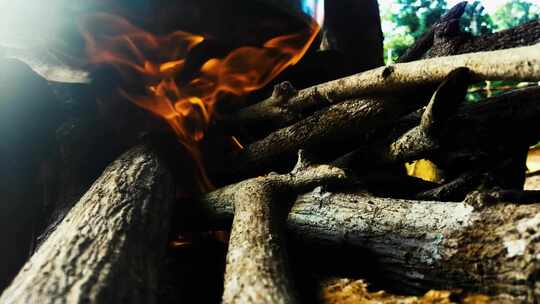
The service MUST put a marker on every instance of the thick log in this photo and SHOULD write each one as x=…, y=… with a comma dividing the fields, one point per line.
x=516, y=64
x=109, y=247
x=422, y=245
x=477, y=246
x=257, y=270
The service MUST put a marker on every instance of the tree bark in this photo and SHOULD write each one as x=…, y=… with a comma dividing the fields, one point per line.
x=109, y=247
x=257, y=270
x=453, y=41
x=479, y=246
x=519, y=110
x=517, y=64
x=422, y=244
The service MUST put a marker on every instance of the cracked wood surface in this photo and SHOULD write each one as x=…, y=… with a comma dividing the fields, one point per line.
x=109, y=246
x=257, y=266
x=422, y=245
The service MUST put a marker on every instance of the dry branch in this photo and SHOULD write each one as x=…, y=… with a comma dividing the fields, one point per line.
x=519, y=64
x=256, y=270
x=333, y=130
x=109, y=247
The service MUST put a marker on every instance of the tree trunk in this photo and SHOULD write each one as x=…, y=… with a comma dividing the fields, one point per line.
x=109, y=247
x=353, y=28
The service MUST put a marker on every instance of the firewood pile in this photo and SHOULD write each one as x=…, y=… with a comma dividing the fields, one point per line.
x=316, y=206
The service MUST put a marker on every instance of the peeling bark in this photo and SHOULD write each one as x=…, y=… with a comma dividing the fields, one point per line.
x=109, y=247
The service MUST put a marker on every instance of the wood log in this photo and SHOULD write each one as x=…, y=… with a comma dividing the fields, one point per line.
x=516, y=64
x=451, y=41
x=454, y=141
x=422, y=245
x=330, y=132
x=340, y=127
x=257, y=270
x=431, y=244
x=109, y=247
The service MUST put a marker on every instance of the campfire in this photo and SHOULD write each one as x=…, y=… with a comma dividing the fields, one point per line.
x=262, y=152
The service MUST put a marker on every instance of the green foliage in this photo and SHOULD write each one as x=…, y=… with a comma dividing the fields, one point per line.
x=516, y=12
x=418, y=15
x=476, y=20
x=409, y=19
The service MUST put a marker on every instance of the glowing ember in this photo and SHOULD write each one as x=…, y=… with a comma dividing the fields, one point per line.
x=156, y=62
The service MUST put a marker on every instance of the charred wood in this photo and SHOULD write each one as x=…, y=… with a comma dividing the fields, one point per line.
x=451, y=41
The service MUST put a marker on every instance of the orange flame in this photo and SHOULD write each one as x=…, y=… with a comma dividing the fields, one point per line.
x=187, y=106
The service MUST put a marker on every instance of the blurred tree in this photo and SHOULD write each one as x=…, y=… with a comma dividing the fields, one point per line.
x=409, y=19
x=476, y=20
x=514, y=13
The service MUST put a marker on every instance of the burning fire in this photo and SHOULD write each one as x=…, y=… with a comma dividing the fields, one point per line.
x=156, y=62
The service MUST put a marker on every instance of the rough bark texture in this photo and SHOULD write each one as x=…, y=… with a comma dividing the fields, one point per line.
x=256, y=270
x=109, y=247
x=422, y=244
x=453, y=42
x=520, y=64
x=329, y=132
x=479, y=246
x=454, y=141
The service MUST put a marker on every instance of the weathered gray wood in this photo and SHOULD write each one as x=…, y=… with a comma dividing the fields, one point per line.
x=480, y=246
x=423, y=244
x=109, y=247
x=257, y=270
x=520, y=64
